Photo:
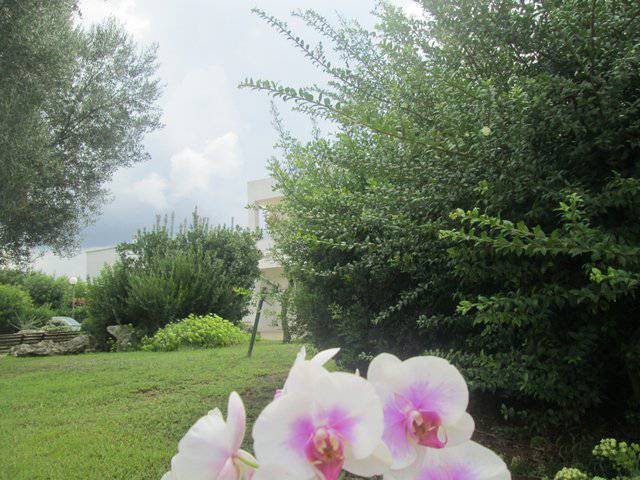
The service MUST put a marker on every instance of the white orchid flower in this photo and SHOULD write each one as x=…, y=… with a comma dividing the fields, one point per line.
x=334, y=423
x=468, y=461
x=210, y=450
x=424, y=401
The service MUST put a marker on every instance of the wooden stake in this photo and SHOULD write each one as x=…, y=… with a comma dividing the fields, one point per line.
x=254, y=332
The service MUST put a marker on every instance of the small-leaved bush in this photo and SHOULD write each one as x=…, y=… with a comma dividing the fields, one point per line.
x=206, y=331
x=623, y=457
x=498, y=111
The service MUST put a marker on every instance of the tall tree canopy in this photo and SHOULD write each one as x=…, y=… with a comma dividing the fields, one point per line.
x=75, y=104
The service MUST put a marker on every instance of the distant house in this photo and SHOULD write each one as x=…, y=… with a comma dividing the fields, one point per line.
x=98, y=258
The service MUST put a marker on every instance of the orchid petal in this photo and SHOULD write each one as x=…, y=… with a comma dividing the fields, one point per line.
x=275, y=431
x=375, y=464
x=246, y=465
x=460, y=431
x=468, y=461
x=395, y=435
x=450, y=395
x=305, y=372
x=203, y=450
x=210, y=449
x=301, y=355
x=273, y=472
x=236, y=420
x=310, y=432
x=386, y=370
x=324, y=356
x=228, y=472
x=302, y=376
x=360, y=406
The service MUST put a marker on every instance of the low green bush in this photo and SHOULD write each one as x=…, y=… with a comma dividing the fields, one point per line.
x=208, y=331
x=14, y=304
x=623, y=459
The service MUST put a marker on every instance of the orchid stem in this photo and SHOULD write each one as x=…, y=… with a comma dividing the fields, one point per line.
x=247, y=462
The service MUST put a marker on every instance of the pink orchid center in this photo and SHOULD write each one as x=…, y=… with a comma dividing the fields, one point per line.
x=424, y=427
x=325, y=451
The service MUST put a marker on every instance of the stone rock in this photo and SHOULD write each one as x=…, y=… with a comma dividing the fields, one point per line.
x=124, y=336
x=45, y=348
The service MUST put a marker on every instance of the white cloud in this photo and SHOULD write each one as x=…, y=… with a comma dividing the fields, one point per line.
x=198, y=104
x=126, y=11
x=151, y=190
x=193, y=171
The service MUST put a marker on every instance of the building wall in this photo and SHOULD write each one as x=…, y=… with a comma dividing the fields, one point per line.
x=261, y=194
x=98, y=258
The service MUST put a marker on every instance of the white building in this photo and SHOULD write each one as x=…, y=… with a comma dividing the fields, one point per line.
x=98, y=258
x=261, y=194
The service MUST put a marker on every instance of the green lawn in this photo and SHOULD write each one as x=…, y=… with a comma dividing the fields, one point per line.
x=120, y=415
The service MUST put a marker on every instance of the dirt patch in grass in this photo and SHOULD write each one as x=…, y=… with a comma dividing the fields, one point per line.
x=154, y=392
x=260, y=394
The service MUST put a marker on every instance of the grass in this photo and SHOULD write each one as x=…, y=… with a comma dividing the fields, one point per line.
x=120, y=415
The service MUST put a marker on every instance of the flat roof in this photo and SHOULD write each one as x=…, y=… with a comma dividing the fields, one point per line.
x=98, y=249
x=262, y=189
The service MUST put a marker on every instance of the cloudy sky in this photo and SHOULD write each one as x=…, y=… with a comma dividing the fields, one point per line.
x=216, y=137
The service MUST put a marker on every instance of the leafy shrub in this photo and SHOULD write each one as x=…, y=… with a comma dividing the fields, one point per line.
x=623, y=458
x=43, y=313
x=207, y=331
x=516, y=310
x=161, y=277
x=499, y=108
x=15, y=303
x=106, y=303
x=79, y=313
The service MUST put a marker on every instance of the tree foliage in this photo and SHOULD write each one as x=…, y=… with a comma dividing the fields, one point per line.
x=75, y=104
x=14, y=303
x=48, y=296
x=500, y=112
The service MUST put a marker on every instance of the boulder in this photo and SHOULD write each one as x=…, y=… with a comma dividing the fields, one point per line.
x=45, y=348
x=124, y=336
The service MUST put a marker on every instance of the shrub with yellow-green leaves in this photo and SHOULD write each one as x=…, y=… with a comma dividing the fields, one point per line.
x=205, y=331
x=624, y=458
